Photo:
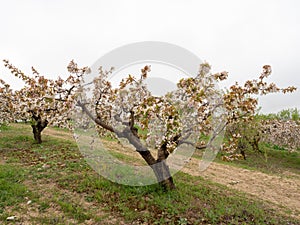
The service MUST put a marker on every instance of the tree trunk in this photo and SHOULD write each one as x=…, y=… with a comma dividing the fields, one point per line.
x=160, y=169
x=36, y=134
x=163, y=175
x=37, y=128
x=242, y=148
x=255, y=143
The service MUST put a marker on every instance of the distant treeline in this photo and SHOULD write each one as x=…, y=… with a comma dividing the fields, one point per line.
x=285, y=114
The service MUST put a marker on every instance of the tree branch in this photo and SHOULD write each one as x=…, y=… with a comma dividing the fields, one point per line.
x=96, y=120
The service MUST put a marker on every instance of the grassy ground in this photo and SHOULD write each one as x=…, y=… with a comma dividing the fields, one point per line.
x=52, y=184
x=271, y=160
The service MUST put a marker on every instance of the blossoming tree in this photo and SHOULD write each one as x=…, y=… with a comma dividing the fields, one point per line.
x=42, y=101
x=166, y=122
x=283, y=133
x=6, y=106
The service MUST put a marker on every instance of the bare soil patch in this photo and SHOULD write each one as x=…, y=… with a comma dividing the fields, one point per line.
x=58, y=134
x=2, y=161
x=280, y=190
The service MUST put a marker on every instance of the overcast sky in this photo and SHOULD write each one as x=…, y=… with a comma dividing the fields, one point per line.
x=233, y=35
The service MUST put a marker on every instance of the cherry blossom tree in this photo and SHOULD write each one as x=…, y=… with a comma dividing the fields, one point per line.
x=277, y=129
x=6, y=106
x=282, y=129
x=241, y=103
x=283, y=133
x=250, y=133
x=164, y=123
x=42, y=101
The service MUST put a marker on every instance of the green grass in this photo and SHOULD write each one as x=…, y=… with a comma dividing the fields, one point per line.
x=272, y=160
x=195, y=200
x=12, y=191
x=65, y=190
x=73, y=210
x=3, y=127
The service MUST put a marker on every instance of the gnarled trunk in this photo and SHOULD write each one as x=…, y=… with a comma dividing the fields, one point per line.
x=163, y=175
x=37, y=127
x=160, y=169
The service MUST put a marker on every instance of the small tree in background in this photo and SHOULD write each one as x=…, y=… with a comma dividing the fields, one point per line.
x=241, y=105
x=7, y=99
x=251, y=135
x=282, y=133
x=42, y=101
x=282, y=129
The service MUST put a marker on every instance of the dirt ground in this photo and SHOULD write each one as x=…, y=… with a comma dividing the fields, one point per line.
x=282, y=190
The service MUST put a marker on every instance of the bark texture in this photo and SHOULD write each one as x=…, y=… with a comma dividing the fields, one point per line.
x=37, y=127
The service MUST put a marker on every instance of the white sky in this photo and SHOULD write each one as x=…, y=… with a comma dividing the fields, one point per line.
x=233, y=35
